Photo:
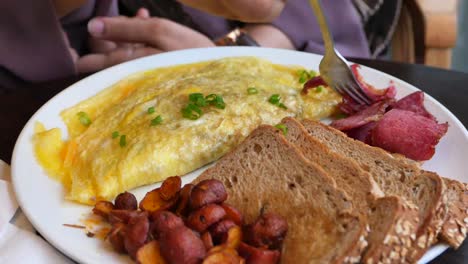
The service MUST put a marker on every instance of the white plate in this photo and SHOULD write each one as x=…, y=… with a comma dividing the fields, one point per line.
x=42, y=198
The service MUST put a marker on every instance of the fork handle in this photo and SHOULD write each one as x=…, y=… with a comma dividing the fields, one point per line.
x=322, y=21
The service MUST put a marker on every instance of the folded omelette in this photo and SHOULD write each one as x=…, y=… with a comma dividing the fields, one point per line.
x=170, y=121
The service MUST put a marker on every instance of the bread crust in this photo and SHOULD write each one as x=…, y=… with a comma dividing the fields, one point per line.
x=406, y=174
x=399, y=217
x=255, y=182
x=455, y=226
x=423, y=207
x=398, y=236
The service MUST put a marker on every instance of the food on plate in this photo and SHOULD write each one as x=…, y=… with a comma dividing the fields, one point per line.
x=454, y=228
x=299, y=191
x=126, y=201
x=171, y=121
x=384, y=214
x=399, y=176
x=404, y=126
x=267, y=174
x=401, y=131
x=212, y=233
x=401, y=208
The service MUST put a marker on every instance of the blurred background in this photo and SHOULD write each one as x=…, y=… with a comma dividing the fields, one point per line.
x=460, y=52
x=432, y=32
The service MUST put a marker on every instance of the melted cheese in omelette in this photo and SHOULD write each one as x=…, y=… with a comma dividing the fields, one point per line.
x=94, y=165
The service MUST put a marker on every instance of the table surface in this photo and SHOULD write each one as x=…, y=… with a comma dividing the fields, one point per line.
x=20, y=100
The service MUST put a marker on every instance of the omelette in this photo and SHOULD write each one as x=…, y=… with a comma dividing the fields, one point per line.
x=170, y=121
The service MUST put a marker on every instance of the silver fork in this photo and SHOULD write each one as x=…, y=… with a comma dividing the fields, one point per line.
x=333, y=67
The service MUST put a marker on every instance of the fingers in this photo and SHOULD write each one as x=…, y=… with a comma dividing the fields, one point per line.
x=158, y=33
x=101, y=45
x=97, y=62
x=143, y=13
x=121, y=29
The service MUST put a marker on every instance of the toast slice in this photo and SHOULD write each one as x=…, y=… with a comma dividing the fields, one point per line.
x=395, y=176
x=454, y=229
x=393, y=223
x=391, y=219
x=455, y=226
x=266, y=173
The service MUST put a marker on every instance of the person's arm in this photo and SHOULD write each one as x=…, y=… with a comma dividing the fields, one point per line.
x=156, y=35
x=242, y=10
x=298, y=22
x=142, y=35
x=269, y=36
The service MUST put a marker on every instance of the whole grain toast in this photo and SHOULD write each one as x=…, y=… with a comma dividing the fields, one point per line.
x=454, y=229
x=266, y=173
x=392, y=220
x=395, y=176
x=455, y=225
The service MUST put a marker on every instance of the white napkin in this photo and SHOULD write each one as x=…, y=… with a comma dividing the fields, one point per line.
x=18, y=240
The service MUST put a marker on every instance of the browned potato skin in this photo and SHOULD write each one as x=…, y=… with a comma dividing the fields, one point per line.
x=103, y=208
x=182, y=245
x=254, y=255
x=234, y=237
x=136, y=234
x=233, y=214
x=150, y=253
x=123, y=216
x=269, y=230
x=219, y=230
x=182, y=208
x=207, y=192
x=170, y=188
x=153, y=202
x=126, y=201
x=164, y=221
x=223, y=256
x=116, y=237
x=207, y=240
x=204, y=217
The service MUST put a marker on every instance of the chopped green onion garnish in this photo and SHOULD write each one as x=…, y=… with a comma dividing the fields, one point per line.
x=197, y=99
x=151, y=110
x=84, y=118
x=156, y=121
x=252, y=90
x=123, y=141
x=283, y=128
x=274, y=99
x=211, y=98
x=115, y=134
x=319, y=89
x=216, y=100
x=304, y=75
x=192, y=112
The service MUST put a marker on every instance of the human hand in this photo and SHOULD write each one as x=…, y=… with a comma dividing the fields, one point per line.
x=243, y=10
x=119, y=39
